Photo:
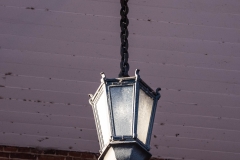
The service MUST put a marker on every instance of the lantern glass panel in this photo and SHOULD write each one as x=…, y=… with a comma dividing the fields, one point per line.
x=122, y=108
x=103, y=115
x=144, y=115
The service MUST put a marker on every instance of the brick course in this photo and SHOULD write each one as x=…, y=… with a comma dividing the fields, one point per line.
x=27, y=153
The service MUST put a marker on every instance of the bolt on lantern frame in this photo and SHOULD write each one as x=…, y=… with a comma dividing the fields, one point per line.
x=124, y=110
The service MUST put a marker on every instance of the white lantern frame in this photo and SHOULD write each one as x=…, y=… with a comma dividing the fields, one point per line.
x=104, y=111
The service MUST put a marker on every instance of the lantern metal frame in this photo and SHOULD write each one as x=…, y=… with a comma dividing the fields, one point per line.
x=137, y=83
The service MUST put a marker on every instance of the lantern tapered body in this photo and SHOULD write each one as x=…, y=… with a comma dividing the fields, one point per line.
x=124, y=110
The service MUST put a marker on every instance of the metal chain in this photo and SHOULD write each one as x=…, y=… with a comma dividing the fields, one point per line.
x=124, y=66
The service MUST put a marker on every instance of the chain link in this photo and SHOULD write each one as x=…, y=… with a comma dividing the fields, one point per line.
x=124, y=66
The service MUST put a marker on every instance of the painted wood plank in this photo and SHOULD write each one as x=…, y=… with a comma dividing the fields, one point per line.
x=203, y=110
x=73, y=62
x=106, y=52
x=170, y=107
x=82, y=133
x=197, y=121
x=59, y=73
x=179, y=142
x=44, y=142
x=103, y=65
x=172, y=96
x=42, y=119
x=86, y=134
x=144, y=12
x=166, y=118
x=24, y=105
x=210, y=134
x=66, y=85
x=164, y=141
x=161, y=117
x=215, y=6
x=184, y=16
x=90, y=134
x=50, y=138
x=191, y=109
x=46, y=108
x=174, y=152
x=69, y=144
x=41, y=96
x=139, y=41
x=101, y=50
x=49, y=131
x=200, y=98
x=191, y=85
x=43, y=83
x=110, y=24
x=167, y=140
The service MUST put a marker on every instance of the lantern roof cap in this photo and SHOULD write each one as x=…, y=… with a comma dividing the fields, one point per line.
x=125, y=79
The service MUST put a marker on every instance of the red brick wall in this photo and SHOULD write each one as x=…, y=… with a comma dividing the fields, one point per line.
x=25, y=153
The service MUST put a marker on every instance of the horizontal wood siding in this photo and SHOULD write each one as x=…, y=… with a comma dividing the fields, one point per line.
x=52, y=51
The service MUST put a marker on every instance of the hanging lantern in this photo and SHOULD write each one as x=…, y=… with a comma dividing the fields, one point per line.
x=124, y=109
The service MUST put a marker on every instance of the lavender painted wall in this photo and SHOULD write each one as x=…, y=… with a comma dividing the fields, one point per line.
x=52, y=51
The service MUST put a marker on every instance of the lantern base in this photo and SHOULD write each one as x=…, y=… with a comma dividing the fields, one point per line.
x=124, y=151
